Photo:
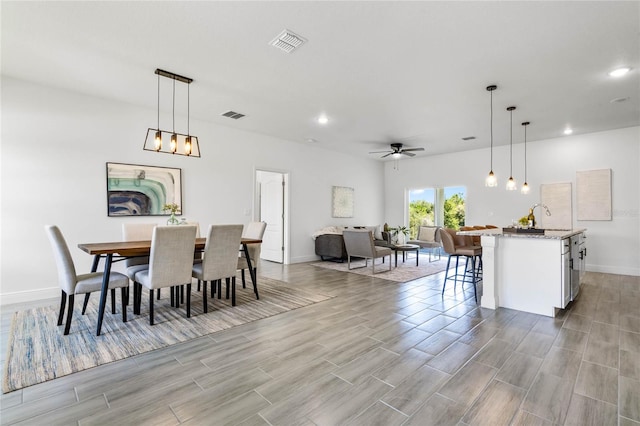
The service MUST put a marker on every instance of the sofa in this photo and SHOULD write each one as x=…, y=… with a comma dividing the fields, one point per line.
x=329, y=243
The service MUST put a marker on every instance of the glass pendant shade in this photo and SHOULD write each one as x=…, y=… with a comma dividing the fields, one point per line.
x=187, y=145
x=511, y=184
x=491, y=180
x=525, y=188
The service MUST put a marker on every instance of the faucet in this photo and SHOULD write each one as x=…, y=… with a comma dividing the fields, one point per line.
x=548, y=213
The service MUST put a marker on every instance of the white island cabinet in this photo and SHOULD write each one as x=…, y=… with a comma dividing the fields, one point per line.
x=529, y=272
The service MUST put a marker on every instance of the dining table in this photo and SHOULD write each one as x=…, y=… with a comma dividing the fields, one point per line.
x=128, y=249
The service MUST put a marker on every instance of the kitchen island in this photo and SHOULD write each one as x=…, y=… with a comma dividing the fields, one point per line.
x=537, y=273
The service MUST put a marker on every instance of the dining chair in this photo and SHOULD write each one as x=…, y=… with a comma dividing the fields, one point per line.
x=254, y=230
x=170, y=263
x=71, y=283
x=133, y=265
x=219, y=261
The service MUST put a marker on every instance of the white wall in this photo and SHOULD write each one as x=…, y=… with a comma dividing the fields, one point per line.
x=54, y=148
x=613, y=246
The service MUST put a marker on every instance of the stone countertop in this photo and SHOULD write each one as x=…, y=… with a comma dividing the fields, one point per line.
x=550, y=234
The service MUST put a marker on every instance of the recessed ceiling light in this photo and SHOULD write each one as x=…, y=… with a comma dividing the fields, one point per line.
x=311, y=140
x=568, y=131
x=619, y=72
x=323, y=119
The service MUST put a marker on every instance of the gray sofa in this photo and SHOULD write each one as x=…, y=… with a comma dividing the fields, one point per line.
x=331, y=246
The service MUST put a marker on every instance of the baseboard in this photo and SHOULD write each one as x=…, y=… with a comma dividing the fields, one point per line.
x=616, y=270
x=303, y=259
x=29, y=296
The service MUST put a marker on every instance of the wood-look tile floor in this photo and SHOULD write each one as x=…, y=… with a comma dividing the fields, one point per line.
x=379, y=353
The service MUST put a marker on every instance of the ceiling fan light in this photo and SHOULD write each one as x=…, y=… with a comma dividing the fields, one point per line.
x=396, y=155
x=619, y=72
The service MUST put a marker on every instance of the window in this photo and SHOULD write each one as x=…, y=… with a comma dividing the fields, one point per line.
x=436, y=206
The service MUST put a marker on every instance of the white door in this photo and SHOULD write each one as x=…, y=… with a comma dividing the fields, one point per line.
x=272, y=212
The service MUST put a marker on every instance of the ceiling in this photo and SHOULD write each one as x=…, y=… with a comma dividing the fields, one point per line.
x=382, y=72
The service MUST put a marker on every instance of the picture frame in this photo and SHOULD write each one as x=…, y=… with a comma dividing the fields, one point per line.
x=138, y=190
x=342, y=201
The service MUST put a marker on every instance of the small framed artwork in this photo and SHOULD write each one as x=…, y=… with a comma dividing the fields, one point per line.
x=342, y=201
x=135, y=190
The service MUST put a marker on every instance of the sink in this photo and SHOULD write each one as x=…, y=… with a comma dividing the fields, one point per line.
x=523, y=230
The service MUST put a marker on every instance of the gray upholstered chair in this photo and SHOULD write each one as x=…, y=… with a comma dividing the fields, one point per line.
x=252, y=230
x=72, y=283
x=170, y=263
x=454, y=246
x=359, y=243
x=219, y=260
x=429, y=238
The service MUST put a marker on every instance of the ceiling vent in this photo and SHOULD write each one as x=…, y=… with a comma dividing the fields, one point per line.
x=288, y=41
x=469, y=138
x=232, y=114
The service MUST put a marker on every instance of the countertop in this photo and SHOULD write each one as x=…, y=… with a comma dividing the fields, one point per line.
x=555, y=234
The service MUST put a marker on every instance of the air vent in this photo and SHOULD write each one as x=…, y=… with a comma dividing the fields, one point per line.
x=288, y=41
x=469, y=138
x=232, y=114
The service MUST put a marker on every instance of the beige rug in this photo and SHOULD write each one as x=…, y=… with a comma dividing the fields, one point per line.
x=406, y=271
x=38, y=351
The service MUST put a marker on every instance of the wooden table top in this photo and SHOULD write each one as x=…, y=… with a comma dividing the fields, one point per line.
x=139, y=248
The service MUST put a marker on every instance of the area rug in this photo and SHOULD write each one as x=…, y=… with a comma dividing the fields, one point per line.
x=406, y=271
x=38, y=351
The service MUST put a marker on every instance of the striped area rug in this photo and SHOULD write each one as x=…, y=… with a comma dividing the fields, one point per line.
x=38, y=351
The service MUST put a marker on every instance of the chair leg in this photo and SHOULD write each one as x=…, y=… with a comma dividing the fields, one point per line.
x=198, y=285
x=113, y=300
x=473, y=277
x=227, y=281
x=172, y=295
x=182, y=294
x=123, y=295
x=63, y=303
x=255, y=284
x=137, y=297
x=188, y=300
x=158, y=294
x=244, y=282
x=84, y=304
x=69, y=315
x=219, y=289
x=213, y=284
x=204, y=296
x=151, y=291
x=233, y=290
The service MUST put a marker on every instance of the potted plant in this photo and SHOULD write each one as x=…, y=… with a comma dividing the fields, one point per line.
x=401, y=233
x=173, y=208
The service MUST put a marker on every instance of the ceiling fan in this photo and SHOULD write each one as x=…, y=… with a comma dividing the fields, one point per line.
x=397, y=151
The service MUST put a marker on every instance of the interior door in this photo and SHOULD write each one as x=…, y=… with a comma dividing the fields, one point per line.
x=272, y=212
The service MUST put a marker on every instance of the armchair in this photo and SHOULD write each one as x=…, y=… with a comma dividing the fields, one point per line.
x=429, y=238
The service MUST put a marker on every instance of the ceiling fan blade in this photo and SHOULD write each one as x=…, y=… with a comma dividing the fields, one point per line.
x=413, y=149
x=410, y=154
x=379, y=152
x=386, y=155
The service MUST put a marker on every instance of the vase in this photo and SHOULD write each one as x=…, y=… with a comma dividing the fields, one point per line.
x=173, y=220
x=401, y=238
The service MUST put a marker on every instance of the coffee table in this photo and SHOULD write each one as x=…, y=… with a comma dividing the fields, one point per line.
x=405, y=248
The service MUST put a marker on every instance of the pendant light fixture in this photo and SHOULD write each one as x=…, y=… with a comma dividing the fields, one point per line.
x=179, y=143
x=511, y=183
x=491, y=180
x=525, y=186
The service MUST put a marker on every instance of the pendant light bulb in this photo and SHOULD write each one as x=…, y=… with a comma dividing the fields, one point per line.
x=187, y=145
x=525, y=188
x=158, y=141
x=174, y=143
x=511, y=183
x=491, y=181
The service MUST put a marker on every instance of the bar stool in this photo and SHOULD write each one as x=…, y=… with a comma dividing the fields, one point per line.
x=448, y=237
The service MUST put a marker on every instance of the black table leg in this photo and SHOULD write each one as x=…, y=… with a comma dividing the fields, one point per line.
x=104, y=290
x=417, y=256
x=252, y=272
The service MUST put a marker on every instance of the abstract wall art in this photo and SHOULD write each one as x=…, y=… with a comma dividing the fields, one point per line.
x=134, y=190
x=342, y=200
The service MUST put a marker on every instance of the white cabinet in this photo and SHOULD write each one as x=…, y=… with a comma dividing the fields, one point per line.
x=566, y=272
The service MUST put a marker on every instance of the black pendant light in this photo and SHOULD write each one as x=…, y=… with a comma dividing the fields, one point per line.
x=511, y=183
x=525, y=186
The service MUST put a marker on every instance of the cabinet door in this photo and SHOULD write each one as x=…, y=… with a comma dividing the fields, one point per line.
x=566, y=272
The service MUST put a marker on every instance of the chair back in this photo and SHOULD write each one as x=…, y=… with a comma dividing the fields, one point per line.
x=448, y=241
x=359, y=243
x=220, y=256
x=137, y=232
x=171, y=258
x=67, y=277
x=254, y=230
x=429, y=233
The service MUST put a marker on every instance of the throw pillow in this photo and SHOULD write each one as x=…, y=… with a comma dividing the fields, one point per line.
x=427, y=233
